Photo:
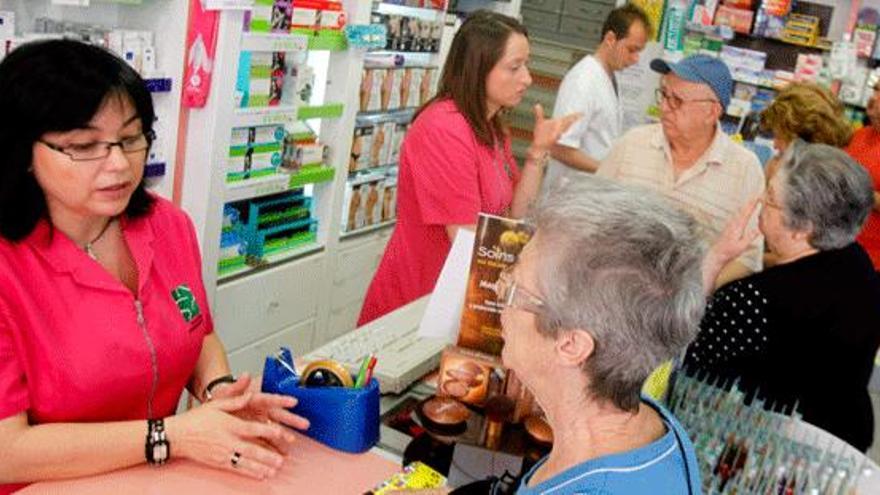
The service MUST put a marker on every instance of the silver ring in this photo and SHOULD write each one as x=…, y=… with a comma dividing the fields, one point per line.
x=236, y=457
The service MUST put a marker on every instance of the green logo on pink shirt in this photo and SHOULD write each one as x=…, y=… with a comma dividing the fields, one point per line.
x=186, y=302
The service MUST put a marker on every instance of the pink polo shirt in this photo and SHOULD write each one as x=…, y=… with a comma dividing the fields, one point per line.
x=72, y=345
x=446, y=177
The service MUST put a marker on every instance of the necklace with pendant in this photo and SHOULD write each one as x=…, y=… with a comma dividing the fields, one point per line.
x=88, y=246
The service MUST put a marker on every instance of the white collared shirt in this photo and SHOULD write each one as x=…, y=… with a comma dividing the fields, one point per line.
x=713, y=189
x=589, y=89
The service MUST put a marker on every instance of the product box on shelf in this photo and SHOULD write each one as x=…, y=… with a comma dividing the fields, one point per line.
x=274, y=223
x=808, y=67
x=253, y=82
x=299, y=81
x=704, y=12
x=865, y=37
x=740, y=20
x=428, y=85
x=389, y=199
x=353, y=210
x=365, y=202
x=469, y=376
x=259, y=18
x=854, y=89
x=370, y=93
x=282, y=16
x=390, y=92
x=302, y=153
x=400, y=130
x=801, y=29
x=249, y=163
x=314, y=14
x=373, y=193
x=382, y=137
x=243, y=137
x=410, y=34
x=409, y=86
x=254, y=151
x=361, y=145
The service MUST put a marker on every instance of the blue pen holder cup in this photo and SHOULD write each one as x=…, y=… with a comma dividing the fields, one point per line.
x=342, y=418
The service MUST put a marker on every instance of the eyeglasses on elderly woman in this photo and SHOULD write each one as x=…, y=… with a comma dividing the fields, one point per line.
x=511, y=295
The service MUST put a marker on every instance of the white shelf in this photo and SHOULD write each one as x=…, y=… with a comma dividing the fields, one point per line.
x=271, y=260
x=280, y=115
x=370, y=117
x=427, y=14
x=371, y=228
x=759, y=84
x=274, y=42
x=380, y=170
x=255, y=188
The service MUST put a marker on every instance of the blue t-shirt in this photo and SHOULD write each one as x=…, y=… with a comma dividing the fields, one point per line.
x=667, y=465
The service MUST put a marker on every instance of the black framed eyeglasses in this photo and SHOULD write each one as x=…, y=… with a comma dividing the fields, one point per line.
x=99, y=150
x=511, y=295
x=675, y=102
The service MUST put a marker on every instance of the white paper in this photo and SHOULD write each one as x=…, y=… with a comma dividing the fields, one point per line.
x=442, y=317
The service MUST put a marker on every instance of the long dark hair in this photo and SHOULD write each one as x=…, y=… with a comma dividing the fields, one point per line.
x=52, y=86
x=478, y=45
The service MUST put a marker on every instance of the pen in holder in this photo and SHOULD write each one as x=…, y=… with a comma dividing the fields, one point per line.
x=343, y=418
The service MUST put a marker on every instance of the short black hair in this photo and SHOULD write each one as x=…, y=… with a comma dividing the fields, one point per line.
x=622, y=18
x=56, y=86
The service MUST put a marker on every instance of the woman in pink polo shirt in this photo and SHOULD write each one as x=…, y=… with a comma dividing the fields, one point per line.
x=103, y=314
x=456, y=162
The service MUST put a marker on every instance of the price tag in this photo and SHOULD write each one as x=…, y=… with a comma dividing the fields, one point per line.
x=279, y=118
x=227, y=4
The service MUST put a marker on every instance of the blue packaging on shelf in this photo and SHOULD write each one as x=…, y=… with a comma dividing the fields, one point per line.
x=342, y=418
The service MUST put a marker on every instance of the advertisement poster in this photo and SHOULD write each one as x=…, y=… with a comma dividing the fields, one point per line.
x=497, y=244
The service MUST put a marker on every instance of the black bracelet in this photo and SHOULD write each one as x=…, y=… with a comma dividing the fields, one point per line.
x=157, y=449
x=217, y=381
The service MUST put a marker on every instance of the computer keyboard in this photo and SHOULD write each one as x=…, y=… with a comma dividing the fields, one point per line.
x=402, y=357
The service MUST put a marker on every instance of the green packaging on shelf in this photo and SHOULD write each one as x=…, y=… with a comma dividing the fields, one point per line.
x=330, y=110
x=261, y=16
x=324, y=39
x=712, y=45
x=312, y=175
x=673, y=25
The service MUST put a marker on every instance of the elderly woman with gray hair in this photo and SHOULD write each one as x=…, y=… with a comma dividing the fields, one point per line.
x=804, y=332
x=608, y=288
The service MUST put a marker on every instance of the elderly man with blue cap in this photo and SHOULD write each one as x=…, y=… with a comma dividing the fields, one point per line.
x=689, y=158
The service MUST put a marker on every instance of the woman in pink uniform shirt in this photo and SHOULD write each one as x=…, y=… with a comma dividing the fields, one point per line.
x=456, y=162
x=103, y=314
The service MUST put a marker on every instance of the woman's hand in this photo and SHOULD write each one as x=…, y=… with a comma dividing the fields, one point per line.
x=733, y=241
x=263, y=408
x=547, y=131
x=211, y=434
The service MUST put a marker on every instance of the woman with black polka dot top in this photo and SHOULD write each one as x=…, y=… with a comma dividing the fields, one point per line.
x=804, y=332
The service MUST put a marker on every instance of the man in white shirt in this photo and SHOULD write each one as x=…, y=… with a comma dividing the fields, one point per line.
x=590, y=88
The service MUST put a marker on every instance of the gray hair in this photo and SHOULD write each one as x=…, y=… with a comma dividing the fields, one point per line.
x=623, y=264
x=825, y=192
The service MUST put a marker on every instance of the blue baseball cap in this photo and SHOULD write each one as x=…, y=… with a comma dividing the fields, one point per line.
x=701, y=69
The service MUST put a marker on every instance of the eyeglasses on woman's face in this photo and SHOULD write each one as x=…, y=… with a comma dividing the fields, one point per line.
x=512, y=295
x=99, y=150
